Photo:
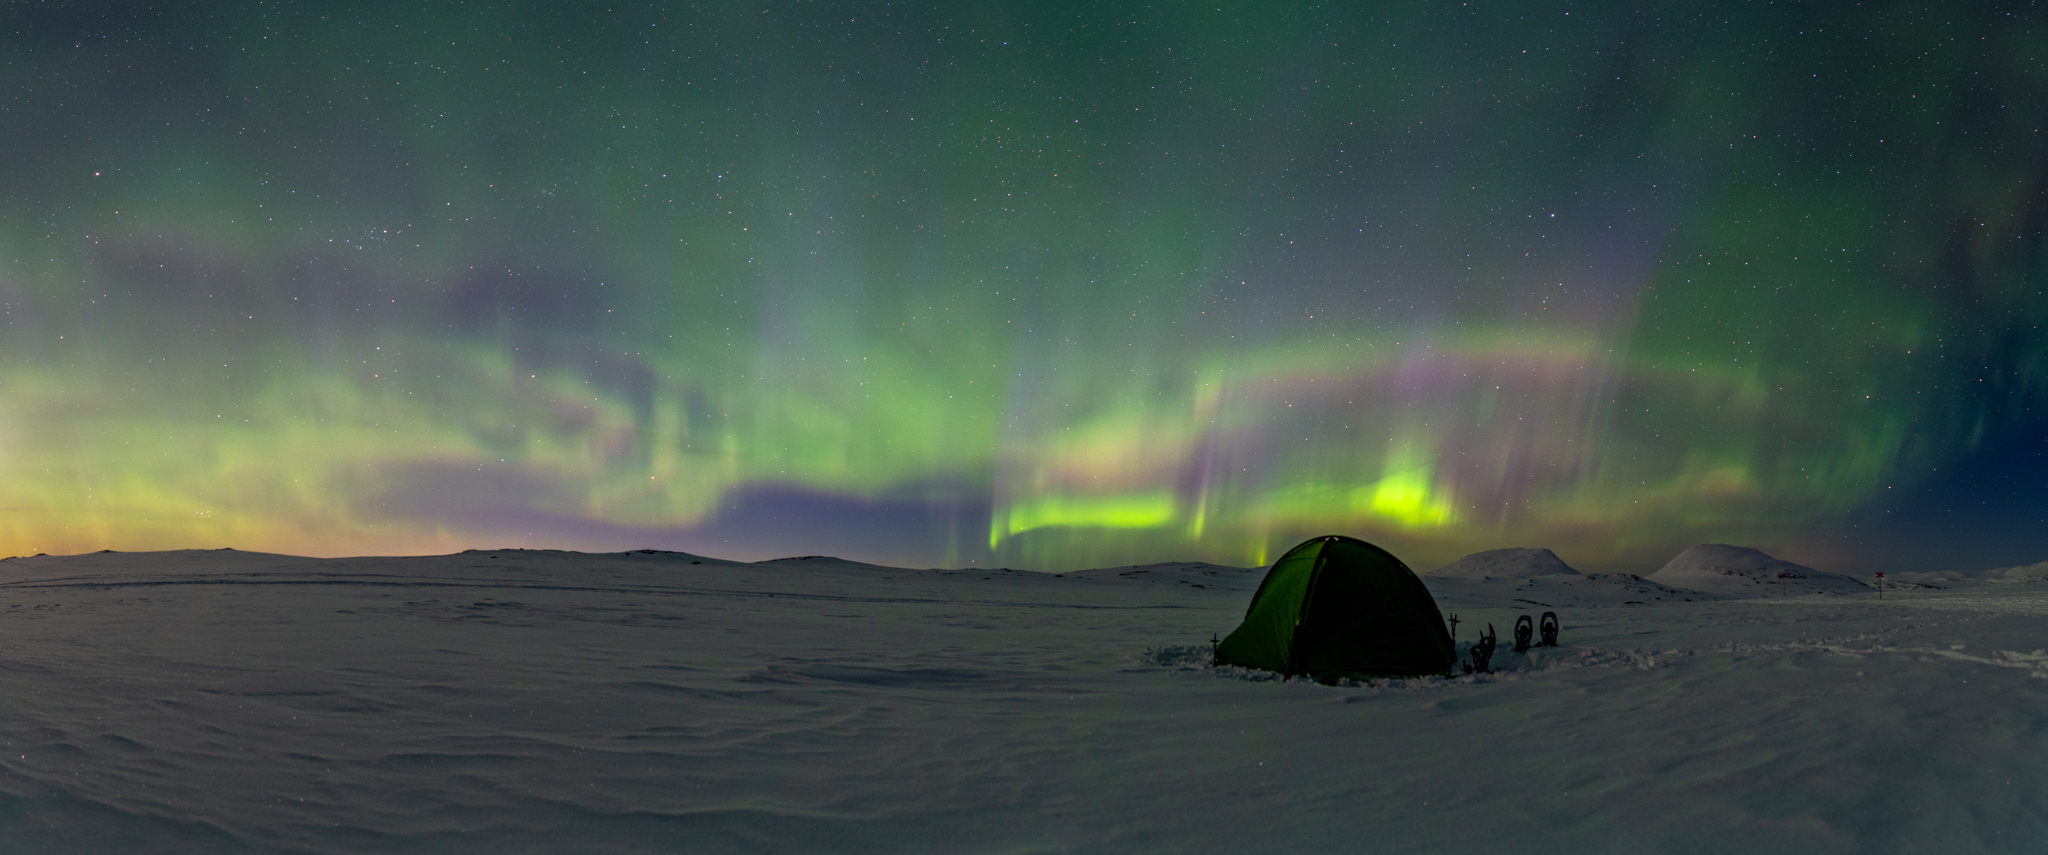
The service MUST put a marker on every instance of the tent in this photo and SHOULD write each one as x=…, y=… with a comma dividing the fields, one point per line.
x=1338, y=607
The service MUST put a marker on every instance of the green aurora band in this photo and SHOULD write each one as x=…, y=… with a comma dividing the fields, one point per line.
x=1112, y=283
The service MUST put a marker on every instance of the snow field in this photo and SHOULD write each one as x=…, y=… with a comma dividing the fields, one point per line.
x=552, y=702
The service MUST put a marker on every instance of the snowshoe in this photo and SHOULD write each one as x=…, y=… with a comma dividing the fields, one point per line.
x=1482, y=653
x=1524, y=629
x=1548, y=628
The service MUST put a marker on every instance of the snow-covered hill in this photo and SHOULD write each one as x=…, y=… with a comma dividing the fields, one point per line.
x=1741, y=571
x=2025, y=574
x=1512, y=563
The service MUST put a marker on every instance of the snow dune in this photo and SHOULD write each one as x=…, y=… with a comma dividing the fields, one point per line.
x=512, y=702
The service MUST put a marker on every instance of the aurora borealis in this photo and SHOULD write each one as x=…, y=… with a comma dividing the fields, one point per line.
x=1032, y=284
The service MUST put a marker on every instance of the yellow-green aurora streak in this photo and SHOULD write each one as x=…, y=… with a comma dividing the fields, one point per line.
x=1147, y=286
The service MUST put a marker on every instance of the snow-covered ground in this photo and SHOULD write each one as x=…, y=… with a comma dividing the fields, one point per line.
x=555, y=702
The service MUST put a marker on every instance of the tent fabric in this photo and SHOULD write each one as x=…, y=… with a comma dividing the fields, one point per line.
x=1339, y=607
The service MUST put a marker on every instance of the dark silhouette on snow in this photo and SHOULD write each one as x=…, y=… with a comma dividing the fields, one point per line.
x=1548, y=629
x=1336, y=607
x=1482, y=653
x=1524, y=630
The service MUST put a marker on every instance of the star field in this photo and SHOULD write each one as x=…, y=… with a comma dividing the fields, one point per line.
x=1037, y=285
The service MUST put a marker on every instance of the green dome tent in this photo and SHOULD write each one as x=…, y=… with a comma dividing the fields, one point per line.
x=1337, y=607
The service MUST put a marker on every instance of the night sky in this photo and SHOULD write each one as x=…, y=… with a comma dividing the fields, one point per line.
x=1038, y=284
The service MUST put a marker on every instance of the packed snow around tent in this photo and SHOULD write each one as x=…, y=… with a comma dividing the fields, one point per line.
x=518, y=701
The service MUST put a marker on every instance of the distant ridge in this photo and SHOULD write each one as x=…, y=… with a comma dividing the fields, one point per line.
x=2025, y=574
x=1512, y=563
x=817, y=560
x=1719, y=568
